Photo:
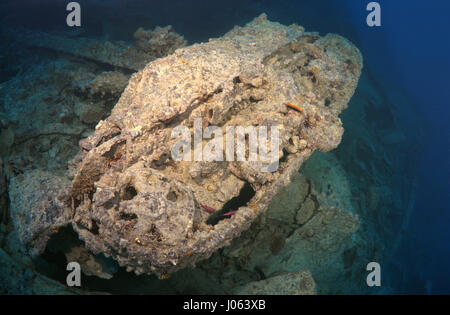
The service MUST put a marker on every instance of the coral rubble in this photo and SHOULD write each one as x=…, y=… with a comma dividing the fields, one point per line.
x=117, y=54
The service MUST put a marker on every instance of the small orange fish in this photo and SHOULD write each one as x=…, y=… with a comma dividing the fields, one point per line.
x=296, y=107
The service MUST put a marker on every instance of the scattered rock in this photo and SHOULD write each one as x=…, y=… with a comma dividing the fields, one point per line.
x=306, y=211
x=286, y=204
x=89, y=113
x=18, y=279
x=292, y=283
x=160, y=42
x=39, y=207
x=90, y=264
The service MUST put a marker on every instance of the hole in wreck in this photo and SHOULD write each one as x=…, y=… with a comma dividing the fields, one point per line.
x=210, y=113
x=115, y=151
x=312, y=77
x=94, y=229
x=159, y=164
x=128, y=216
x=129, y=193
x=172, y=195
x=154, y=233
x=52, y=263
x=284, y=157
x=108, y=137
x=245, y=195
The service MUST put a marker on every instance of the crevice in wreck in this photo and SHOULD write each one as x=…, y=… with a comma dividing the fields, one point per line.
x=94, y=228
x=177, y=119
x=245, y=195
x=128, y=216
x=110, y=137
x=52, y=263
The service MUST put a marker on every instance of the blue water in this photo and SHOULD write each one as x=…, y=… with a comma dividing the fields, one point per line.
x=408, y=55
x=414, y=37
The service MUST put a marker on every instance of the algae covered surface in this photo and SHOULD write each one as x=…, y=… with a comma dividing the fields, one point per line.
x=87, y=176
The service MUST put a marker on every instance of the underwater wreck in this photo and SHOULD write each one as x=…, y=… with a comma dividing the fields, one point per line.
x=127, y=199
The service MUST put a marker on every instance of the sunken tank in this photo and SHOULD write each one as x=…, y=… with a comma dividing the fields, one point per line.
x=130, y=200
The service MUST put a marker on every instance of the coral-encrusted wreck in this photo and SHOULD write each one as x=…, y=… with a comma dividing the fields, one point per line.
x=131, y=201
